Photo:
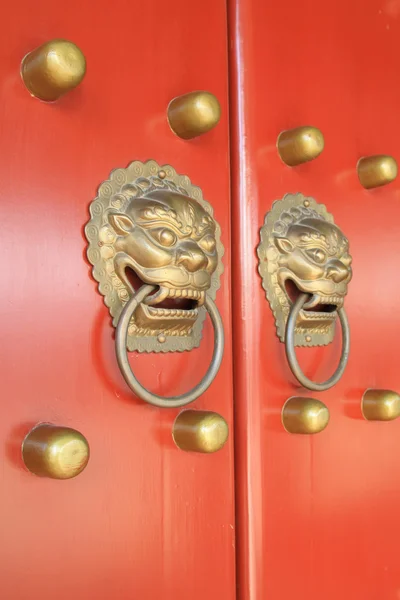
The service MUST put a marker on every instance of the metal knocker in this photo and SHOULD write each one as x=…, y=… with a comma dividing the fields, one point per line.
x=291, y=354
x=123, y=362
x=305, y=269
x=156, y=253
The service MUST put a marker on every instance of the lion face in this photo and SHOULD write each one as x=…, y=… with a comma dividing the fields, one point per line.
x=168, y=240
x=314, y=256
x=302, y=251
x=150, y=225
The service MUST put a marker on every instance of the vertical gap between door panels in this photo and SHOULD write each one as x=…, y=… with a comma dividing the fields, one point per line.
x=234, y=172
x=231, y=306
x=247, y=394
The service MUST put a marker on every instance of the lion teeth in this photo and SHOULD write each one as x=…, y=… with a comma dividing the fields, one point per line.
x=173, y=312
x=165, y=292
x=186, y=293
x=331, y=300
x=316, y=300
x=318, y=316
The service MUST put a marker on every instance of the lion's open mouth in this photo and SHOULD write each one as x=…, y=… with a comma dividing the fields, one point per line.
x=168, y=304
x=172, y=303
x=318, y=307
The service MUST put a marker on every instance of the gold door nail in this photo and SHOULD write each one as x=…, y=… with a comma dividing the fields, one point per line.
x=375, y=171
x=300, y=145
x=200, y=431
x=53, y=69
x=380, y=405
x=304, y=415
x=55, y=452
x=193, y=114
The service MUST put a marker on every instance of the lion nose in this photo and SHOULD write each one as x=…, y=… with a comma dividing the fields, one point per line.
x=192, y=258
x=337, y=271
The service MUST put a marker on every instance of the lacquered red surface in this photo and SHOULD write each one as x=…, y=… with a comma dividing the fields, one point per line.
x=145, y=520
x=317, y=516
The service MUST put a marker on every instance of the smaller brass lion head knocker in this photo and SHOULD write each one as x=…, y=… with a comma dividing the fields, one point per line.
x=151, y=229
x=305, y=269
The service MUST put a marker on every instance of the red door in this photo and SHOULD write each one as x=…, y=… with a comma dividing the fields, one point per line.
x=317, y=514
x=144, y=519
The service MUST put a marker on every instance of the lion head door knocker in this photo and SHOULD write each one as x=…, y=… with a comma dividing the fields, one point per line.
x=304, y=263
x=156, y=253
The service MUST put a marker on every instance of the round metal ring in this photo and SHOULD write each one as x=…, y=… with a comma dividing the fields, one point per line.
x=123, y=362
x=291, y=353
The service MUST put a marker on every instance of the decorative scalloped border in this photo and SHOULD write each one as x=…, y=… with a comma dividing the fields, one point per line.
x=274, y=294
x=99, y=252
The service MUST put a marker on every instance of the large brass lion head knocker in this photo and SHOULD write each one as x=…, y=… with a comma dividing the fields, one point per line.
x=302, y=251
x=150, y=225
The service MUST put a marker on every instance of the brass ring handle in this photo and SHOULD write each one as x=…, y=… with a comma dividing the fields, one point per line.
x=291, y=353
x=123, y=362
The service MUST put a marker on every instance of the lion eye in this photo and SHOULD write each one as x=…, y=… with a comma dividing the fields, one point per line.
x=208, y=243
x=165, y=237
x=317, y=255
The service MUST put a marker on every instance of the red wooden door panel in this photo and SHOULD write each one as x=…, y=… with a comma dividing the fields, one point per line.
x=144, y=520
x=318, y=515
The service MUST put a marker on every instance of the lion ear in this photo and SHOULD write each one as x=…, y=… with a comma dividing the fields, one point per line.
x=284, y=245
x=122, y=224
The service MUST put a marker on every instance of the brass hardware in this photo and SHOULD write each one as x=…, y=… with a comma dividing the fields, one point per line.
x=200, y=431
x=162, y=230
x=121, y=342
x=193, y=114
x=291, y=354
x=301, y=247
x=53, y=69
x=55, y=452
x=375, y=171
x=304, y=415
x=380, y=405
x=302, y=252
x=300, y=145
x=152, y=221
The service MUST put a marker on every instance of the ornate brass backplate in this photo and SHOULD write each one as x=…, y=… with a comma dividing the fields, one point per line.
x=151, y=220
x=303, y=251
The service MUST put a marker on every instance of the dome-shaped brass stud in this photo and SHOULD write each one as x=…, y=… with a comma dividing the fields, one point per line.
x=375, y=171
x=55, y=452
x=53, y=69
x=193, y=114
x=200, y=431
x=304, y=415
x=300, y=145
x=380, y=405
